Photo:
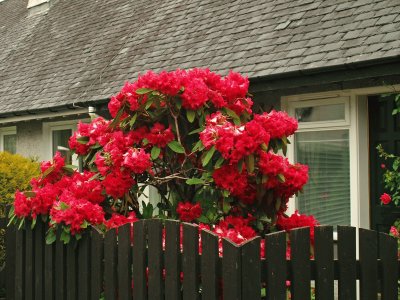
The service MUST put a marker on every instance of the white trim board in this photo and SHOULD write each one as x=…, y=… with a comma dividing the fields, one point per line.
x=48, y=115
x=357, y=123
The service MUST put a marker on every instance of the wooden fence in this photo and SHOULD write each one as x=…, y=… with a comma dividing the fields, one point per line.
x=153, y=267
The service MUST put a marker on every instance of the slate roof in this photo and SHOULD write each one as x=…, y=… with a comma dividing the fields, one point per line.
x=84, y=50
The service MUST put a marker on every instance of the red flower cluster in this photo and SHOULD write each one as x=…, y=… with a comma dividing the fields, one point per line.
x=385, y=198
x=228, y=178
x=285, y=178
x=197, y=87
x=118, y=220
x=77, y=214
x=188, y=212
x=88, y=135
x=277, y=123
x=297, y=220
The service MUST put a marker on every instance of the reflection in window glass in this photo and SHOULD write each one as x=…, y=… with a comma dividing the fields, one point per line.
x=327, y=194
x=60, y=144
x=321, y=113
x=10, y=143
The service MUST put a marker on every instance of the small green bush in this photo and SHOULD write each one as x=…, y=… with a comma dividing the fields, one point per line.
x=15, y=173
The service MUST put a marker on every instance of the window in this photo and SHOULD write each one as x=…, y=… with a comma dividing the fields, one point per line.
x=60, y=139
x=56, y=137
x=322, y=142
x=8, y=139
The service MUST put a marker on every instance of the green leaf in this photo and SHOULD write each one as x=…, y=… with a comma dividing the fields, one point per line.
x=198, y=146
x=190, y=115
x=264, y=147
x=196, y=131
x=63, y=206
x=240, y=165
x=281, y=177
x=12, y=218
x=83, y=139
x=33, y=223
x=264, y=179
x=250, y=163
x=133, y=120
x=193, y=181
x=117, y=117
x=29, y=194
x=226, y=193
x=65, y=237
x=226, y=207
x=176, y=147
x=233, y=115
x=155, y=152
x=21, y=223
x=50, y=237
x=147, y=210
x=207, y=157
x=148, y=104
x=47, y=172
x=203, y=219
x=143, y=91
x=219, y=163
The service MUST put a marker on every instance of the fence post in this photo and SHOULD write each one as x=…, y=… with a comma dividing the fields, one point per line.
x=84, y=267
x=172, y=256
x=139, y=260
x=324, y=272
x=275, y=254
x=29, y=261
x=155, y=280
x=190, y=266
x=110, y=265
x=347, y=262
x=11, y=260
x=124, y=262
x=231, y=270
x=300, y=257
x=368, y=264
x=210, y=274
x=251, y=269
x=390, y=270
x=96, y=261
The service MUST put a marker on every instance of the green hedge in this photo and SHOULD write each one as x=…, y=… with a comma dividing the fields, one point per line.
x=15, y=173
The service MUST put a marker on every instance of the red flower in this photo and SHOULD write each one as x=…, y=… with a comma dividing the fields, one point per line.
x=188, y=212
x=118, y=220
x=385, y=198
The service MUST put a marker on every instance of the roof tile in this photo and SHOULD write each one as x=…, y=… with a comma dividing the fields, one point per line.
x=85, y=50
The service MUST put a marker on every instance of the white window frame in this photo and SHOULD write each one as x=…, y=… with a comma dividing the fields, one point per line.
x=6, y=131
x=49, y=127
x=355, y=115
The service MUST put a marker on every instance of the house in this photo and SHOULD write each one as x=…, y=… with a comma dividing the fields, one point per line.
x=331, y=64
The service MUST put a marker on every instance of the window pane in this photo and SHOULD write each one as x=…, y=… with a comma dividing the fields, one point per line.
x=321, y=113
x=327, y=194
x=10, y=143
x=60, y=144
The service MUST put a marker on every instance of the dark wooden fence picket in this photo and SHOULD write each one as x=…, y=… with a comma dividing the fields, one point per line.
x=190, y=266
x=172, y=260
x=210, y=273
x=324, y=263
x=347, y=262
x=147, y=261
x=300, y=258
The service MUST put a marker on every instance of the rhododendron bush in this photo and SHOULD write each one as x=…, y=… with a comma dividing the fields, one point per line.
x=192, y=135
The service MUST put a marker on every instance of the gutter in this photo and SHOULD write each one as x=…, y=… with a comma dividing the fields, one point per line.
x=373, y=68
x=51, y=112
x=316, y=71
